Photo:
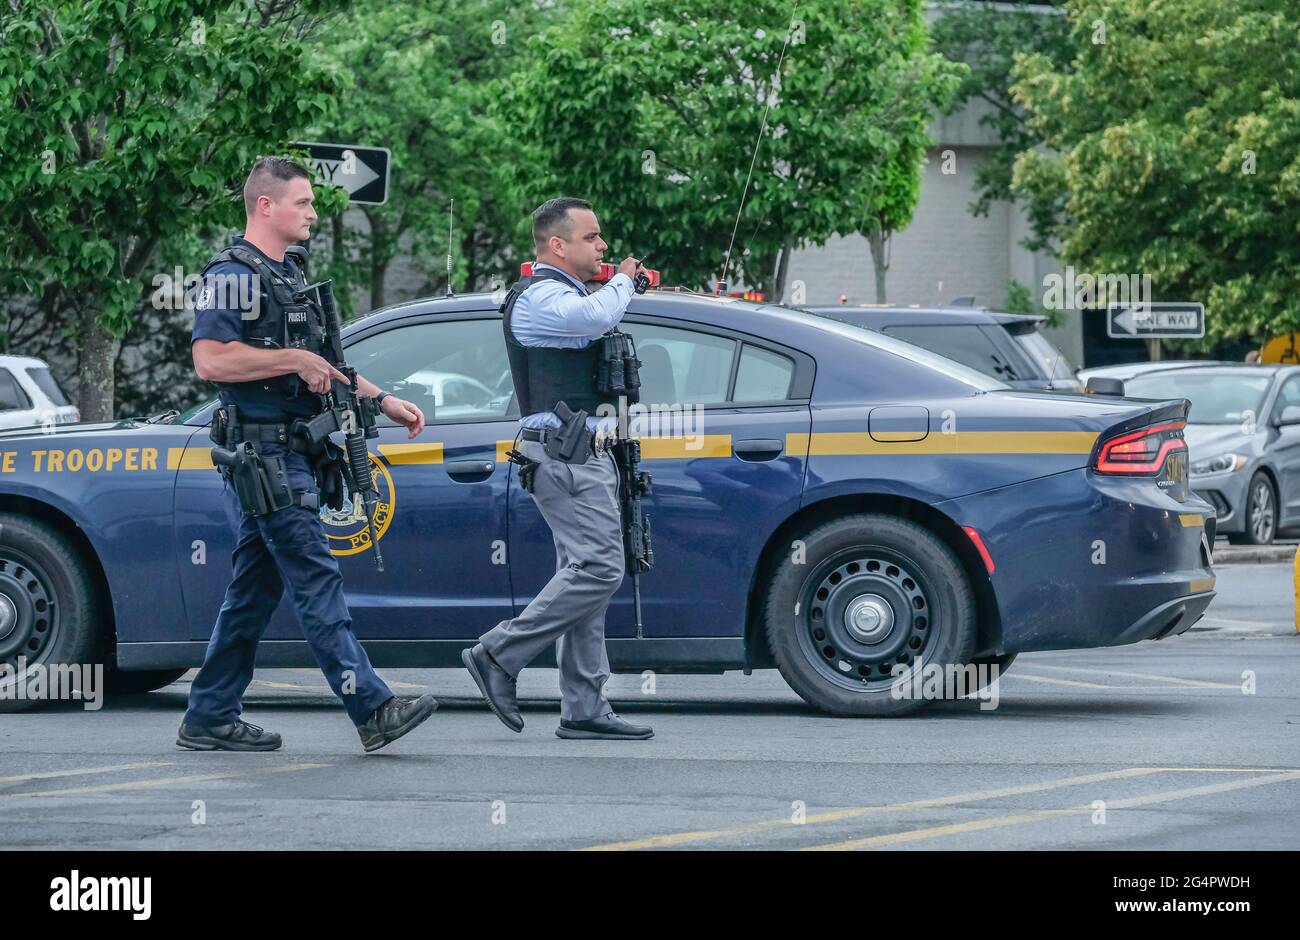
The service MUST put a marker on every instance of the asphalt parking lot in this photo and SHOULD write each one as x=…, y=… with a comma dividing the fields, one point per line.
x=1188, y=743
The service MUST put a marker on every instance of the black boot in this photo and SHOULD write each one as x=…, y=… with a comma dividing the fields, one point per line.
x=237, y=736
x=497, y=686
x=394, y=718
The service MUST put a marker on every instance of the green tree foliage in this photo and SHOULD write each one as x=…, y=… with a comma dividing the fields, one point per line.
x=416, y=78
x=989, y=37
x=652, y=111
x=1173, y=150
x=121, y=124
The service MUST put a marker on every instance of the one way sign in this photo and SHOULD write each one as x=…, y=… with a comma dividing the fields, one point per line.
x=362, y=171
x=1155, y=321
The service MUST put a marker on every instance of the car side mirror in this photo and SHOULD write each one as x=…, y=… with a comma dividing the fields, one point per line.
x=1290, y=415
x=1101, y=385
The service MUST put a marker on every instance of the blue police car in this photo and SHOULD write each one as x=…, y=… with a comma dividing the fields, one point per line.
x=826, y=500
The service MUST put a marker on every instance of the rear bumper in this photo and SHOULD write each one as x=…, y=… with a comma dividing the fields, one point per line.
x=1171, y=618
x=1086, y=560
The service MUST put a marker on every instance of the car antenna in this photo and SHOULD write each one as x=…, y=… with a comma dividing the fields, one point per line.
x=451, y=214
x=722, y=281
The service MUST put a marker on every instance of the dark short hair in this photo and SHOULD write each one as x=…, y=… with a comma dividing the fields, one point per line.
x=552, y=218
x=267, y=178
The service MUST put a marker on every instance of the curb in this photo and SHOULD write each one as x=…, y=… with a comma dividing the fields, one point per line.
x=1253, y=554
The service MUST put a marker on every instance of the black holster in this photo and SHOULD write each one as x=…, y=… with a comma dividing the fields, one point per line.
x=261, y=481
x=571, y=442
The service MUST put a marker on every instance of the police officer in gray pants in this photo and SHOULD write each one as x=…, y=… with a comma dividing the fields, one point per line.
x=553, y=327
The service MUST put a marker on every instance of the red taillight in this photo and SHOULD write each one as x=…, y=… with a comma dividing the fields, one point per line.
x=979, y=546
x=1141, y=451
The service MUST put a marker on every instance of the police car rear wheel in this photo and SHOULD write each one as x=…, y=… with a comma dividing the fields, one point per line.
x=871, y=598
x=48, y=605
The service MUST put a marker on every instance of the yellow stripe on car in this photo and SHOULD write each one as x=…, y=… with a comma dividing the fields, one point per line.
x=860, y=443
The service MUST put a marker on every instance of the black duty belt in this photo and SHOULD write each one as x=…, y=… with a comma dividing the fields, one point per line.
x=264, y=433
x=534, y=434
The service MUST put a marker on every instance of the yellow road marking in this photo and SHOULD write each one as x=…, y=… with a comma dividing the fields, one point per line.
x=680, y=838
x=50, y=774
x=316, y=672
x=402, y=454
x=292, y=687
x=839, y=443
x=931, y=832
x=1140, y=675
x=160, y=782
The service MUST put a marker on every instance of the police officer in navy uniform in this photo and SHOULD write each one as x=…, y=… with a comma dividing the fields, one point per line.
x=553, y=326
x=260, y=339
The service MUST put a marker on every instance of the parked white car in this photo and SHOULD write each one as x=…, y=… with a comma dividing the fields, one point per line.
x=29, y=395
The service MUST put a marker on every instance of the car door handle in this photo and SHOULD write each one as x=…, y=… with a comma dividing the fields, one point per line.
x=765, y=448
x=472, y=469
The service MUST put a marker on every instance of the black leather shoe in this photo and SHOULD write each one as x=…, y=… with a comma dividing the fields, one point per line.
x=497, y=686
x=394, y=718
x=238, y=736
x=608, y=727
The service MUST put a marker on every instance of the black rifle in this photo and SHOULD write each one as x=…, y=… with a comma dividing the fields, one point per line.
x=348, y=412
x=634, y=483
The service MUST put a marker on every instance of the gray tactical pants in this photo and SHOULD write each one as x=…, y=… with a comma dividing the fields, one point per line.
x=580, y=504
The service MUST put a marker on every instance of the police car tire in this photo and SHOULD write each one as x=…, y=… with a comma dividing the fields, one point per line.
x=933, y=563
x=73, y=598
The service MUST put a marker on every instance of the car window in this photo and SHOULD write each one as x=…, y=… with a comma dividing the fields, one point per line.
x=452, y=370
x=45, y=382
x=1217, y=397
x=762, y=375
x=1289, y=394
x=682, y=366
x=12, y=398
x=965, y=343
x=1047, y=358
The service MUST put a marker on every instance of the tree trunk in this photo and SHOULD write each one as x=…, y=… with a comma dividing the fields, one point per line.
x=97, y=354
x=378, y=269
x=782, y=272
x=879, y=242
x=379, y=257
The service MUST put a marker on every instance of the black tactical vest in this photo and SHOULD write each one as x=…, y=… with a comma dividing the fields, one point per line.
x=544, y=375
x=286, y=318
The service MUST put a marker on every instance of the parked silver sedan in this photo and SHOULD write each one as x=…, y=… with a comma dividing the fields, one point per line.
x=1243, y=441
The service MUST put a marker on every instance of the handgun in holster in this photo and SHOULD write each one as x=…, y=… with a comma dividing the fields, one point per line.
x=261, y=482
x=572, y=441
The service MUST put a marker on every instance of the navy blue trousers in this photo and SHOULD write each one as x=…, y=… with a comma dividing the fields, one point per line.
x=284, y=552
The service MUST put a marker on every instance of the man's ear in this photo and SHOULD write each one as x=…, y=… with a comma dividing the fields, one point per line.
x=556, y=244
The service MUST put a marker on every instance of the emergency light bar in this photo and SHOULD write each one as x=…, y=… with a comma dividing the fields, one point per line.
x=607, y=271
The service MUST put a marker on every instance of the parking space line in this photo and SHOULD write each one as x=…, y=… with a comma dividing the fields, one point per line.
x=159, y=782
x=80, y=771
x=1141, y=675
x=1150, y=799
x=1072, y=682
x=681, y=838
